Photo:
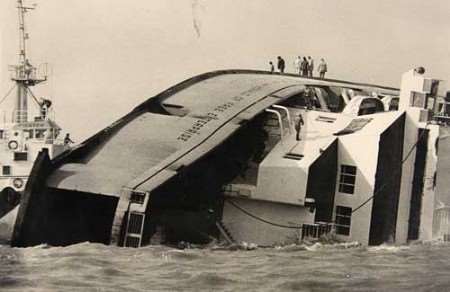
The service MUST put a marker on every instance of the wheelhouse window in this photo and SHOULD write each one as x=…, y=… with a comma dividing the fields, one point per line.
x=347, y=179
x=343, y=220
x=29, y=134
x=40, y=133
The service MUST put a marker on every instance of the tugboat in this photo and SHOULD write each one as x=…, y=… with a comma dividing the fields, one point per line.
x=22, y=134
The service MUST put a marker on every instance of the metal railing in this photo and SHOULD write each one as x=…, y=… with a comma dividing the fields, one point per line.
x=22, y=73
x=25, y=116
x=280, y=121
x=441, y=219
x=20, y=116
x=317, y=230
x=442, y=116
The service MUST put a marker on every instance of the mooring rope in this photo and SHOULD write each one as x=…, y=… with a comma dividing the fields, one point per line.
x=261, y=219
x=403, y=161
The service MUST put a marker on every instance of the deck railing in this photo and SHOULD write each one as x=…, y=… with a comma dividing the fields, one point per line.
x=22, y=73
x=442, y=223
x=317, y=230
x=25, y=116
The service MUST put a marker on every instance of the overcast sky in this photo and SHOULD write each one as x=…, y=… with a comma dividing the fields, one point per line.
x=109, y=55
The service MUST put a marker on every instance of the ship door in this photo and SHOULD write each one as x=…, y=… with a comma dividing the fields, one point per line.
x=135, y=219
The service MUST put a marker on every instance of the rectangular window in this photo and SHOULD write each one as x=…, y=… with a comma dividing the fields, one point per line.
x=343, y=220
x=20, y=156
x=6, y=170
x=40, y=133
x=29, y=134
x=293, y=156
x=347, y=179
x=138, y=198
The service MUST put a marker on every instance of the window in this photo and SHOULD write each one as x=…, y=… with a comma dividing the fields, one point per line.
x=347, y=179
x=295, y=101
x=40, y=133
x=20, y=156
x=138, y=198
x=29, y=134
x=343, y=220
x=370, y=106
x=325, y=119
x=293, y=156
x=393, y=104
x=6, y=169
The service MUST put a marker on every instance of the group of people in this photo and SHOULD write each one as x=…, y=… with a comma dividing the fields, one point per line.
x=303, y=66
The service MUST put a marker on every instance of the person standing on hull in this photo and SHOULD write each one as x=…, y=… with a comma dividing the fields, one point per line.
x=322, y=68
x=298, y=126
x=271, y=67
x=297, y=64
x=304, y=67
x=281, y=64
x=310, y=66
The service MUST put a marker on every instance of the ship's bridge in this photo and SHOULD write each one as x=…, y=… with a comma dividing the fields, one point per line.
x=39, y=130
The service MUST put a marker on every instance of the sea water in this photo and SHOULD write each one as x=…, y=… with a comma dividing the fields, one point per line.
x=315, y=267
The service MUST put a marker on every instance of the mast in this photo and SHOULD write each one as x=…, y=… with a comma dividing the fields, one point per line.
x=23, y=36
x=25, y=73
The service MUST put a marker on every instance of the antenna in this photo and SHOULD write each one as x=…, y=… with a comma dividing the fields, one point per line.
x=22, y=29
x=25, y=73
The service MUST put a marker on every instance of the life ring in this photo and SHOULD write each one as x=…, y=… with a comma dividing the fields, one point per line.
x=13, y=145
x=18, y=182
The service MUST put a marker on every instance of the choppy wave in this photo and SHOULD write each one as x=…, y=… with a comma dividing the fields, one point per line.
x=310, y=267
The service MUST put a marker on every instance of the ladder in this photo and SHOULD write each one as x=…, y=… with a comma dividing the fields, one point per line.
x=135, y=219
x=225, y=232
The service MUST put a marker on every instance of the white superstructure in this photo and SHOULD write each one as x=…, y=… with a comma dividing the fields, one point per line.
x=23, y=134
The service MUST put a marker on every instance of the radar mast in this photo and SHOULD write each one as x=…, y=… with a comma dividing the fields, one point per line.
x=24, y=73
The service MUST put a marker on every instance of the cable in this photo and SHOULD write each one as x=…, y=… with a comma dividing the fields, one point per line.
x=261, y=219
x=34, y=97
x=7, y=94
x=403, y=161
x=415, y=144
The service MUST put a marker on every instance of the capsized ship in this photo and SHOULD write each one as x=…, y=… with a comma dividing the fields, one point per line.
x=245, y=155
x=22, y=134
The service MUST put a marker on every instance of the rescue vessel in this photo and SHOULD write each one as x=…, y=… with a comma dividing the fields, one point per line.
x=23, y=132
